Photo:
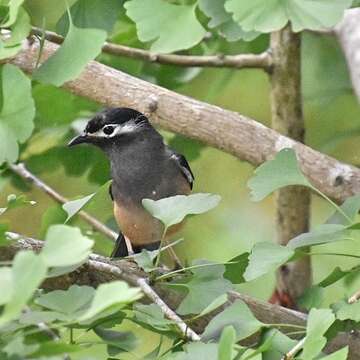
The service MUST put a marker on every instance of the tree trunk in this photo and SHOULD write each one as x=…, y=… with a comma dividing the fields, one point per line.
x=292, y=203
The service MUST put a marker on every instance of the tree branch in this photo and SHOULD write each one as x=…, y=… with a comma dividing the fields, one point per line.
x=24, y=173
x=241, y=61
x=293, y=202
x=226, y=130
x=99, y=270
x=99, y=264
x=348, y=33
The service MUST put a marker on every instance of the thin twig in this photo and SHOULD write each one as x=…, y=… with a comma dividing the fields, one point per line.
x=291, y=354
x=240, y=61
x=23, y=172
x=100, y=264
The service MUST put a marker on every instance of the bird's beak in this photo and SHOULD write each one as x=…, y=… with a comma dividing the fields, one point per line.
x=78, y=140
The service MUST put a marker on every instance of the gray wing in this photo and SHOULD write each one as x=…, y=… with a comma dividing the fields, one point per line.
x=184, y=167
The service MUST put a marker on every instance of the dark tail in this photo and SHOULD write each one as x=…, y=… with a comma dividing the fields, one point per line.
x=120, y=249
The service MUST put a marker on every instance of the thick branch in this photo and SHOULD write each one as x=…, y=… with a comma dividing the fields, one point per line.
x=226, y=130
x=241, y=61
x=292, y=203
x=100, y=270
x=348, y=33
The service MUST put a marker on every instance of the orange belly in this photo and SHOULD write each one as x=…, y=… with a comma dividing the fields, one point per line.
x=139, y=226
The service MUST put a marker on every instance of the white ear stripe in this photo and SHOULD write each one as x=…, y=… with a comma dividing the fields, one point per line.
x=118, y=130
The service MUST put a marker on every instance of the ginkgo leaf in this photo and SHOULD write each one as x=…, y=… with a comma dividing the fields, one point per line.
x=318, y=323
x=239, y=316
x=272, y=15
x=65, y=246
x=79, y=47
x=282, y=171
x=13, y=9
x=110, y=294
x=27, y=273
x=223, y=22
x=172, y=210
x=266, y=257
x=16, y=122
x=171, y=27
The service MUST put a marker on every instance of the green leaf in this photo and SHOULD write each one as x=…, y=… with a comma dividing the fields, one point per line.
x=346, y=311
x=197, y=351
x=226, y=343
x=65, y=246
x=52, y=215
x=20, y=29
x=216, y=303
x=27, y=273
x=341, y=354
x=239, y=316
x=14, y=7
x=235, y=272
x=71, y=302
x=17, y=348
x=350, y=207
x=74, y=206
x=335, y=276
x=108, y=295
x=172, y=210
x=280, y=344
x=145, y=259
x=79, y=47
x=36, y=317
x=265, y=257
x=205, y=280
x=282, y=171
x=223, y=22
x=17, y=113
x=119, y=341
x=171, y=27
x=272, y=15
x=319, y=321
x=94, y=14
x=51, y=348
x=6, y=285
x=152, y=316
x=312, y=298
x=323, y=234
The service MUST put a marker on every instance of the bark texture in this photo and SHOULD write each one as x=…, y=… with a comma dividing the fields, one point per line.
x=293, y=202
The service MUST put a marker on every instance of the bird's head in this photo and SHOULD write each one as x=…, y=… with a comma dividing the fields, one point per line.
x=113, y=126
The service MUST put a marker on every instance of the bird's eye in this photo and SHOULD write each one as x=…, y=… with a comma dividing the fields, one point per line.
x=108, y=130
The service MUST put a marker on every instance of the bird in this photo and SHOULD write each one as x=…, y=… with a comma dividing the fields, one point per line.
x=142, y=167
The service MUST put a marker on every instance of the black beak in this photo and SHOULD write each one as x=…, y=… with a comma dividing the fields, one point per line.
x=78, y=140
